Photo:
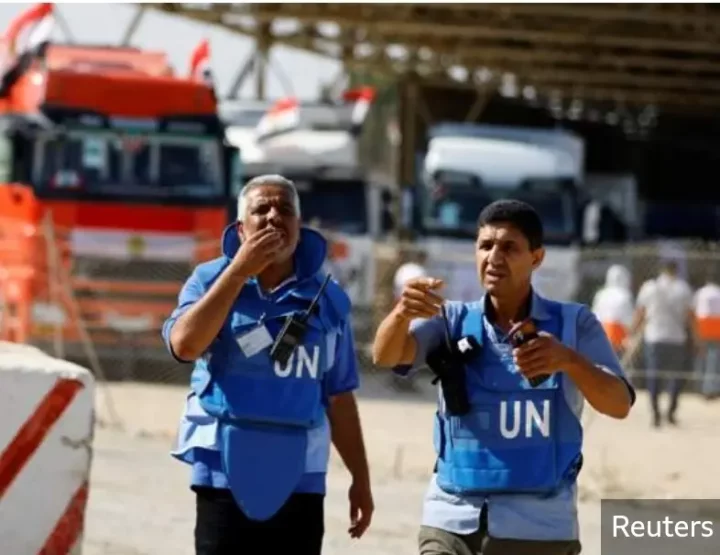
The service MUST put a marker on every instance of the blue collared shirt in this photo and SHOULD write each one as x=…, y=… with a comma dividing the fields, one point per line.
x=197, y=440
x=524, y=517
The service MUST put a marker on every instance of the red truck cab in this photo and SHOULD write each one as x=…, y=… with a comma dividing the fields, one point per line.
x=115, y=179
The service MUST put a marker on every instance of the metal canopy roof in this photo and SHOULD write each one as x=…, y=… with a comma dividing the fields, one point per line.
x=667, y=55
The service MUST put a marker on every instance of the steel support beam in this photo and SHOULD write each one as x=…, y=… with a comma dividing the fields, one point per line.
x=665, y=54
x=133, y=25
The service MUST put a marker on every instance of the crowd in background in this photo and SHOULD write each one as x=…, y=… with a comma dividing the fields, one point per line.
x=668, y=330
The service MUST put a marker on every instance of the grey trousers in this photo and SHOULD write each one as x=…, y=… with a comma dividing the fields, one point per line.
x=433, y=541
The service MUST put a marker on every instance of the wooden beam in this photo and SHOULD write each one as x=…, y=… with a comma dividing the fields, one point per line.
x=648, y=82
x=625, y=80
x=687, y=101
x=385, y=20
x=665, y=15
x=489, y=53
x=416, y=34
x=619, y=89
x=662, y=100
x=575, y=76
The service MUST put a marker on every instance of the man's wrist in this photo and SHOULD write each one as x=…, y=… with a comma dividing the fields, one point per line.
x=238, y=279
x=360, y=476
x=398, y=318
x=577, y=364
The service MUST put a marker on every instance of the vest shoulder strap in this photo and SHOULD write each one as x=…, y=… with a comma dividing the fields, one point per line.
x=337, y=299
x=472, y=320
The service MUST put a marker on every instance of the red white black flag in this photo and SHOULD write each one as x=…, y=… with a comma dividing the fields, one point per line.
x=200, y=69
x=282, y=117
x=30, y=30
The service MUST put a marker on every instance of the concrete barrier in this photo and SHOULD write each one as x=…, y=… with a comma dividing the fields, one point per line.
x=46, y=431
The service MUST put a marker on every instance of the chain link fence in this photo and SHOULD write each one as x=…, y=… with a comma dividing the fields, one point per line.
x=106, y=312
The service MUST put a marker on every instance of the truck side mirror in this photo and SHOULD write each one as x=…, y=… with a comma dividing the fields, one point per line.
x=233, y=167
x=387, y=209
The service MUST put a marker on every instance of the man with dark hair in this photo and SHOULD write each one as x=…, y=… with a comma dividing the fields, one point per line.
x=514, y=370
x=521, y=215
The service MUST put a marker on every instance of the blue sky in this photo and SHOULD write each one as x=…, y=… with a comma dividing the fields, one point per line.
x=106, y=24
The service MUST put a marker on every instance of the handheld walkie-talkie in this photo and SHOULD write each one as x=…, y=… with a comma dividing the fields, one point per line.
x=447, y=362
x=294, y=329
x=439, y=359
x=521, y=333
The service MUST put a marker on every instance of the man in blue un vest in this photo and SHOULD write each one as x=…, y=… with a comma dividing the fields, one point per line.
x=273, y=383
x=508, y=457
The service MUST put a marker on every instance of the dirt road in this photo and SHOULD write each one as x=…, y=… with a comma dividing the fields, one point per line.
x=140, y=503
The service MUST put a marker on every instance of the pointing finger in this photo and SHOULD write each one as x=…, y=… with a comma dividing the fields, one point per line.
x=423, y=296
x=427, y=283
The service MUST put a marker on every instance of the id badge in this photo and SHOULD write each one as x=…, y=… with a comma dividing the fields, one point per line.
x=254, y=341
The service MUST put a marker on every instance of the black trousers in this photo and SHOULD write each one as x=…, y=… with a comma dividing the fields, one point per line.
x=221, y=528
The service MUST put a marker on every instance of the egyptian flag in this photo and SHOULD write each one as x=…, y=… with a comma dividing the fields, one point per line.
x=359, y=100
x=285, y=115
x=30, y=31
x=200, y=69
x=282, y=117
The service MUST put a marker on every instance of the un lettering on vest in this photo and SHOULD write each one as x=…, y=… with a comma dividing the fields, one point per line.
x=525, y=419
x=300, y=362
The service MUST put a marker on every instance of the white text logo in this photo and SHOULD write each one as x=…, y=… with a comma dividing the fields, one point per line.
x=300, y=362
x=525, y=418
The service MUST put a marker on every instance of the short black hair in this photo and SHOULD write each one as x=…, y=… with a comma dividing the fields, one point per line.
x=518, y=214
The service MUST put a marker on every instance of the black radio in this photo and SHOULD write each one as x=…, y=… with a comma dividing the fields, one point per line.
x=447, y=362
x=521, y=333
x=293, y=331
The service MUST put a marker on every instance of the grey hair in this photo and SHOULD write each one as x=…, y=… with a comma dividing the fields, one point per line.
x=273, y=180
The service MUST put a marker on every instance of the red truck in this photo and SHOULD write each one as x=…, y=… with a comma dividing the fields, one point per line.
x=115, y=179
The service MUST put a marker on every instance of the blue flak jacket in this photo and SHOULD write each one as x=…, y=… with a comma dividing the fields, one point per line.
x=264, y=413
x=516, y=439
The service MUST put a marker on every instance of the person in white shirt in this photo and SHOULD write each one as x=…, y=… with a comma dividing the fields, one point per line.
x=665, y=312
x=707, y=324
x=613, y=306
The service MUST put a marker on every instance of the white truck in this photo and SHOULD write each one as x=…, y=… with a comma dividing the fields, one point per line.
x=319, y=153
x=467, y=166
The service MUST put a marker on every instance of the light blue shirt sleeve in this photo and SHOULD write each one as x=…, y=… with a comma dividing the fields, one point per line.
x=343, y=376
x=430, y=333
x=593, y=344
x=190, y=293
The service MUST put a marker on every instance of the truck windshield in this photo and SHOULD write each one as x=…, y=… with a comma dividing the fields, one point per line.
x=452, y=202
x=108, y=162
x=336, y=205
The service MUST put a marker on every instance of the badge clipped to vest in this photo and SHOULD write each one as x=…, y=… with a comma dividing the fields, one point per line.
x=294, y=330
x=521, y=333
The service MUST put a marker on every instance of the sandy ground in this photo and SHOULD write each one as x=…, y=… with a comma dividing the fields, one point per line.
x=140, y=503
